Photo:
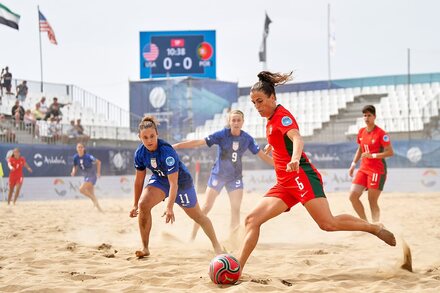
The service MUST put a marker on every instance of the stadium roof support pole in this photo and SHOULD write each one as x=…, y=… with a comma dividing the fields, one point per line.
x=409, y=94
x=41, y=52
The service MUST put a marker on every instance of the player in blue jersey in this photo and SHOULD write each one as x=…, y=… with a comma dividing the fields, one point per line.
x=86, y=163
x=227, y=169
x=170, y=179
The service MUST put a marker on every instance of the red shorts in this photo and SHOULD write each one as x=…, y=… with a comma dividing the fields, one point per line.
x=370, y=180
x=304, y=187
x=14, y=180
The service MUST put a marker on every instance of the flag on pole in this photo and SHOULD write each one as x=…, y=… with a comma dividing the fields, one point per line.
x=8, y=18
x=262, y=52
x=45, y=27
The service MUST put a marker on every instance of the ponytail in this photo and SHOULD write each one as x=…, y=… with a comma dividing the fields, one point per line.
x=268, y=81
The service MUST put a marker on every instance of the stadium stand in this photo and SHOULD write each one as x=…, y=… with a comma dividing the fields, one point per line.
x=100, y=119
x=334, y=115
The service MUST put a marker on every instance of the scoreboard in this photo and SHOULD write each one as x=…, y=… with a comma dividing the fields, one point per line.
x=178, y=53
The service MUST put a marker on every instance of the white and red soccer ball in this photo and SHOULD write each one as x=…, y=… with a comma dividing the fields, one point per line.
x=224, y=269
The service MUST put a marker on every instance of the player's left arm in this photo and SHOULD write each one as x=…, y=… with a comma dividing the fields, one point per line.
x=298, y=145
x=169, y=213
x=28, y=168
x=98, y=167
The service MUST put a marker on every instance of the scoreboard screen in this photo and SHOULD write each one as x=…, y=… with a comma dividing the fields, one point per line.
x=177, y=53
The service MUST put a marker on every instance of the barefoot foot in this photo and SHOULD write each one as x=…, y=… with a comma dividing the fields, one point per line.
x=142, y=253
x=386, y=236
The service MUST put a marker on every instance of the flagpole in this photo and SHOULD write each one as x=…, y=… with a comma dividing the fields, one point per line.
x=328, y=47
x=41, y=52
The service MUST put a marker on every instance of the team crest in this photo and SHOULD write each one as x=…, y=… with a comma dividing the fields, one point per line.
x=235, y=145
x=372, y=141
x=286, y=121
x=270, y=130
x=170, y=161
x=153, y=162
x=214, y=182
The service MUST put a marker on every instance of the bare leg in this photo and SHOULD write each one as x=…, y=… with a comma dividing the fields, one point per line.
x=17, y=191
x=235, y=198
x=319, y=209
x=10, y=191
x=373, y=197
x=356, y=191
x=150, y=197
x=88, y=190
x=268, y=208
x=201, y=219
x=211, y=195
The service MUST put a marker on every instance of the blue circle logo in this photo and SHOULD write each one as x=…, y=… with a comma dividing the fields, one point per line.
x=286, y=121
x=170, y=161
x=386, y=138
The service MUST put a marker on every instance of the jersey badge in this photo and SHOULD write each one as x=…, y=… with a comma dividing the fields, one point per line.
x=153, y=162
x=235, y=145
x=386, y=138
x=170, y=161
x=286, y=121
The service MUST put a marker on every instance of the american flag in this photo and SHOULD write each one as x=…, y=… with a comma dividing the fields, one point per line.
x=150, y=52
x=45, y=27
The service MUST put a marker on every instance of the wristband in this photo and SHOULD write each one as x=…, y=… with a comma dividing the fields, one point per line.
x=353, y=164
x=374, y=156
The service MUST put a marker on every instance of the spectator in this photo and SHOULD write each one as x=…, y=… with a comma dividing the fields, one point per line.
x=6, y=76
x=43, y=106
x=6, y=133
x=22, y=91
x=38, y=113
x=54, y=130
x=55, y=109
x=80, y=130
x=30, y=122
x=71, y=132
x=18, y=113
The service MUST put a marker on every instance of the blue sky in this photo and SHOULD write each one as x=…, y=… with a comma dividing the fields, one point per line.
x=98, y=41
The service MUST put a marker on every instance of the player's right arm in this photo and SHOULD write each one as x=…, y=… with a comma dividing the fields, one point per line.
x=10, y=166
x=189, y=144
x=356, y=158
x=138, y=187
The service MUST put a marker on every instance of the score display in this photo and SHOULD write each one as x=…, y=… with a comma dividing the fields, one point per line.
x=177, y=53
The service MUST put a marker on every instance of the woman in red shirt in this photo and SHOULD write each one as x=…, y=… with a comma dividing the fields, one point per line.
x=374, y=147
x=297, y=179
x=16, y=164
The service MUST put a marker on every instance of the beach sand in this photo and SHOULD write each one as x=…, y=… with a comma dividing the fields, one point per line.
x=67, y=246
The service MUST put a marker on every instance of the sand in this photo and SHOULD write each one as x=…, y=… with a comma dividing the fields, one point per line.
x=67, y=246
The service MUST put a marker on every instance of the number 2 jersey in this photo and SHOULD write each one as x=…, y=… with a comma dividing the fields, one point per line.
x=162, y=162
x=373, y=142
x=228, y=165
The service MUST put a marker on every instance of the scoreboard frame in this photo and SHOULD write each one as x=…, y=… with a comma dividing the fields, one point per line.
x=177, y=54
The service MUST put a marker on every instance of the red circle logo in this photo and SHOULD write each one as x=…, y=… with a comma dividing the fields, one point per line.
x=205, y=51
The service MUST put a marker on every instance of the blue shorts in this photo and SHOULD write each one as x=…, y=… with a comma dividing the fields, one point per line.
x=186, y=197
x=217, y=183
x=92, y=179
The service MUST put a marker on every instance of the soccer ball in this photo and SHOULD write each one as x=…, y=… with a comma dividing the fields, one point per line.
x=224, y=269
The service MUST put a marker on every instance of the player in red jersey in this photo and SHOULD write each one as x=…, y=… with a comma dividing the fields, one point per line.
x=16, y=164
x=374, y=147
x=297, y=179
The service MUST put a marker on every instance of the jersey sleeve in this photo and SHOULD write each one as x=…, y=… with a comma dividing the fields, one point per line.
x=139, y=163
x=75, y=160
x=385, y=139
x=286, y=123
x=171, y=161
x=92, y=159
x=253, y=145
x=214, y=138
